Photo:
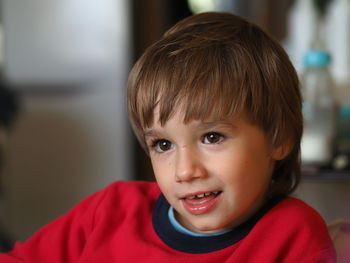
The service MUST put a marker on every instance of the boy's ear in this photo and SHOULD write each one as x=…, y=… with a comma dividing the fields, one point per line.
x=280, y=152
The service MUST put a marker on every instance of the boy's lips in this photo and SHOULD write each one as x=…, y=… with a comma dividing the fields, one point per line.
x=200, y=202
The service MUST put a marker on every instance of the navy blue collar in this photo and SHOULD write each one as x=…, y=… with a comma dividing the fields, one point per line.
x=193, y=244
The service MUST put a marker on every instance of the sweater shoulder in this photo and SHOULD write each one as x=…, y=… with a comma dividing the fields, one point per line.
x=297, y=209
x=127, y=196
x=118, y=191
x=115, y=199
x=131, y=190
x=293, y=218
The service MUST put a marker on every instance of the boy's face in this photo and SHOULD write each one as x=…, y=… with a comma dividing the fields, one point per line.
x=215, y=174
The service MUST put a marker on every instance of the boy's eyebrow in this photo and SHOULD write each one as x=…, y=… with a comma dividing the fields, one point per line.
x=150, y=133
x=216, y=124
x=201, y=125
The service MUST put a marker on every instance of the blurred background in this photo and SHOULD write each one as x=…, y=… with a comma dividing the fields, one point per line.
x=64, y=66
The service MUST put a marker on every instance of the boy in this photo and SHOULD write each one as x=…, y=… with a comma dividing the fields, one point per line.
x=216, y=105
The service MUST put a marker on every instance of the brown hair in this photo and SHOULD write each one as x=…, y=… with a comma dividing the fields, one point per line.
x=217, y=65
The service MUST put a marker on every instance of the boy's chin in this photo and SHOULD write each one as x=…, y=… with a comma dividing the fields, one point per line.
x=204, y=227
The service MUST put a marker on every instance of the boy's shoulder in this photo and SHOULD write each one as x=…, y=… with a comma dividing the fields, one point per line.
x=139, y=186
x=116, y=197
x=291, y=230
x=293, y=219
x=294, y=209
x=293, y=212
x=130, y=191
x=296, y=228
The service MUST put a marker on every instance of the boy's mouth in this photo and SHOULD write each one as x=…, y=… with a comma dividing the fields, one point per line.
x=202, y=195
x=201, y=203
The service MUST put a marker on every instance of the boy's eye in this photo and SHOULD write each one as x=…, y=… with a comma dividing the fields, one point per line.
x=162, y=145
x=212, y=138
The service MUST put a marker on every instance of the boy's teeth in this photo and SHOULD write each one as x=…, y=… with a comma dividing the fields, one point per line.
x=202, y=195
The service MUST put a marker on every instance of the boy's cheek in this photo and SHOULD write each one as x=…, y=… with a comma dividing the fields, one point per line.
x=160, y=168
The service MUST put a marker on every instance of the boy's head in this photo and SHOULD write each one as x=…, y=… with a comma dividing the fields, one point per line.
x=215, y=66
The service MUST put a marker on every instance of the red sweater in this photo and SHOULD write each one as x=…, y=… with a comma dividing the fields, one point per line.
x=126, y=223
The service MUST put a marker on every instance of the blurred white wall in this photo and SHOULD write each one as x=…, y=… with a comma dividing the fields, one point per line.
x=63, y=41
x=69, y=61
x=336, y=25
x=330, y=197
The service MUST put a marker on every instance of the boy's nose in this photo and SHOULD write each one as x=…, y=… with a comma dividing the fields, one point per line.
x=189, y=167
